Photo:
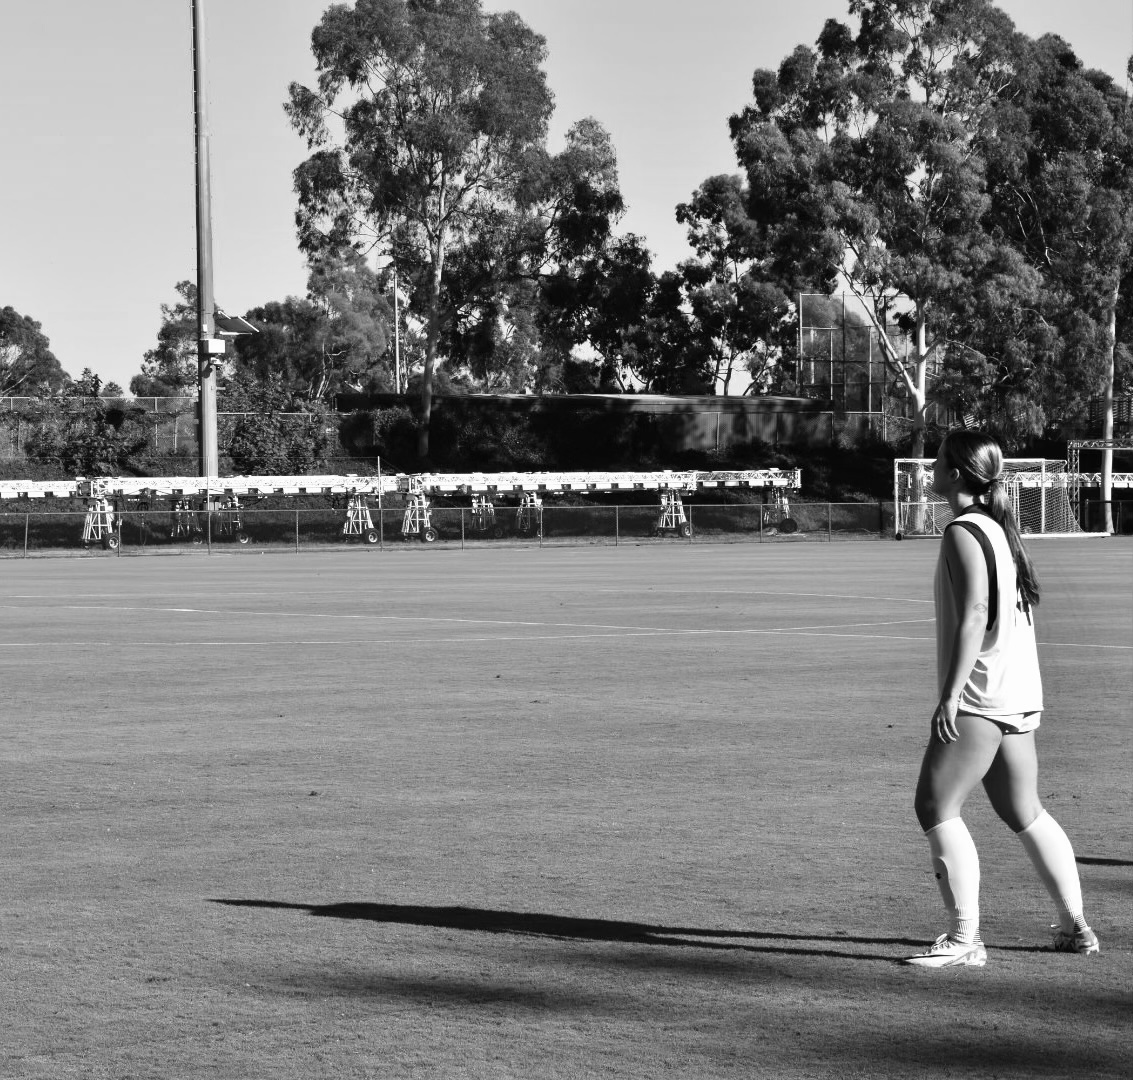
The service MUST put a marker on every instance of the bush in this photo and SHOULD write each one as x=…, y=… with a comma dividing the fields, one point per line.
x=393, y=435
x=82, y=435
x=275, y=445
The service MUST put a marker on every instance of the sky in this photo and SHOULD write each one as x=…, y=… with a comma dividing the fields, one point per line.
x=96, y=135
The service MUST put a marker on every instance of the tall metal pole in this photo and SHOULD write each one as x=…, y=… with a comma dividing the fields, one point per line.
x=206, y=371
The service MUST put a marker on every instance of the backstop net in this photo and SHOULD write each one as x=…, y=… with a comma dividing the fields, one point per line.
x=1039, y=490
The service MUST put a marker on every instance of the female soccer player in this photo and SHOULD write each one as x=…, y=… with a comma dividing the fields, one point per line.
x=983, y=728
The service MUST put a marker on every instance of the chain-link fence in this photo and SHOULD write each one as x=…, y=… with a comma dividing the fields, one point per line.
x=189, y=527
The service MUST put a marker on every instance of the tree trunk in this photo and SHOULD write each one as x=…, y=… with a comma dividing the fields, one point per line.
x=920, y=389
x=913, y=375
x=432, y=334
x=1107, y=416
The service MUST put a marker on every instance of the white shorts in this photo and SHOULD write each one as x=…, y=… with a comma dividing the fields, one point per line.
x=1012, y=723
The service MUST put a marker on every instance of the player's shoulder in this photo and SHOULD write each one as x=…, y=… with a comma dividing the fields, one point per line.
x=961, y=544
x=961, y=531
x=973, y=524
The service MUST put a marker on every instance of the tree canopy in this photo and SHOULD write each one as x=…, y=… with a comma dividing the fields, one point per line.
x=521, y=293
x=738, y=317
x=422, y=125
x=864, y=167
x=334, y=339
x=965, y=183
x=27, y=364
x=170, y=368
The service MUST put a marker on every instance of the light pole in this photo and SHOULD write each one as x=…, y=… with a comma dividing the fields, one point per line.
x=208, y=345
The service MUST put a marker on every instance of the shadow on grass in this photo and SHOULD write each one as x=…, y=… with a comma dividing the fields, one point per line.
x=565, y=927
x=996, y=1051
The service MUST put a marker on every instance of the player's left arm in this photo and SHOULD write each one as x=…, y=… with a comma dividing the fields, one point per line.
x=967, y=573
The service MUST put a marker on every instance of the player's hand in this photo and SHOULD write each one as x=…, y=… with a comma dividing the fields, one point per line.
x=944, y=723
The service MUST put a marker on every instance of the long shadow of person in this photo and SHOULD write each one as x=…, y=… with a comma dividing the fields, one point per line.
x=566, y=927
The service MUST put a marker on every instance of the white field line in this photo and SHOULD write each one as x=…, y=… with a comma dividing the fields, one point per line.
x=614, y=629
x=670, y=591
x=606, y=630
x=631, y=631
x=339, y=642
x=476, y=622
x=649, y=590
x=494, y=639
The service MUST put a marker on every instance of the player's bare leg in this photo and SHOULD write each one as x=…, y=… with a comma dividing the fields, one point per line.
x=1012, y=786
x=949, y=772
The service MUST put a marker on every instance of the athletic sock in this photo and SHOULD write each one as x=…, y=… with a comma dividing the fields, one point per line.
x=957, y=868
x=1052, y=855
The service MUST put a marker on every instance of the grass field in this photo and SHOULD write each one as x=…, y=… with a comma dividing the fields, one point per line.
x=590, y=812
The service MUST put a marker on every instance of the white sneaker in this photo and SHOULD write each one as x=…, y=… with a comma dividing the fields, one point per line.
x=1079, y=941
x=944, y=952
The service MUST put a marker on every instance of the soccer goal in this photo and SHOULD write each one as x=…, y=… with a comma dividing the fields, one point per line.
x=1039, y=490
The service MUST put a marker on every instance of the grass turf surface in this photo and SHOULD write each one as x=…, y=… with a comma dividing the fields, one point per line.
x=522, y=813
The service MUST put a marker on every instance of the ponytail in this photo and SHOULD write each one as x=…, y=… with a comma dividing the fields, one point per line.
x=979, y=460
x=1000, y=510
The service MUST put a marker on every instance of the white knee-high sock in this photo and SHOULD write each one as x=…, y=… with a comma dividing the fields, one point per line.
x=957, y=868
x=1052, y=854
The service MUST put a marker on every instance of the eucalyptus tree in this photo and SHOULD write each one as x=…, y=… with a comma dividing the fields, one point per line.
x=27, y=364
x=169, y=369
x=422, y=124
x=736, y=315
x=1061, y=183
x=865, y=171
x=333, y=339
x=661, y=346
x=618, y=309
x=521, y=293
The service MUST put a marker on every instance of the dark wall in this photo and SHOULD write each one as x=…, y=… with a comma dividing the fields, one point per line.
x=673, y=424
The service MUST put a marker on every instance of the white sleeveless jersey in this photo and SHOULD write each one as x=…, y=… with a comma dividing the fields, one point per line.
x=1005, y=680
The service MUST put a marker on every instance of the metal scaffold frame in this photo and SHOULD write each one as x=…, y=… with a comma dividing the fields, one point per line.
x=358, y=519
x=98, y=526
x=224, y=494
x=1079, y=479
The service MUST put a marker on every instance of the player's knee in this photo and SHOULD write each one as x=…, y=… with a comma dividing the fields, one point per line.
x=1018, y=815
x=927, y=809
x=932, y=806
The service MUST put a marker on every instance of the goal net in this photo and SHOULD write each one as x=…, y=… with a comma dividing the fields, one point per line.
x=1037, y=488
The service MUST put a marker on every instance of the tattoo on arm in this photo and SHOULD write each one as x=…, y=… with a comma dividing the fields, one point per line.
x=981, y=608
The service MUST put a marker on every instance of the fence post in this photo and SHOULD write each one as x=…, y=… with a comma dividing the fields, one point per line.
x=462, y=528
x=617, y=526
x=829, y=528
x=691, y=530
x=27, y=519
x=297, y=530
